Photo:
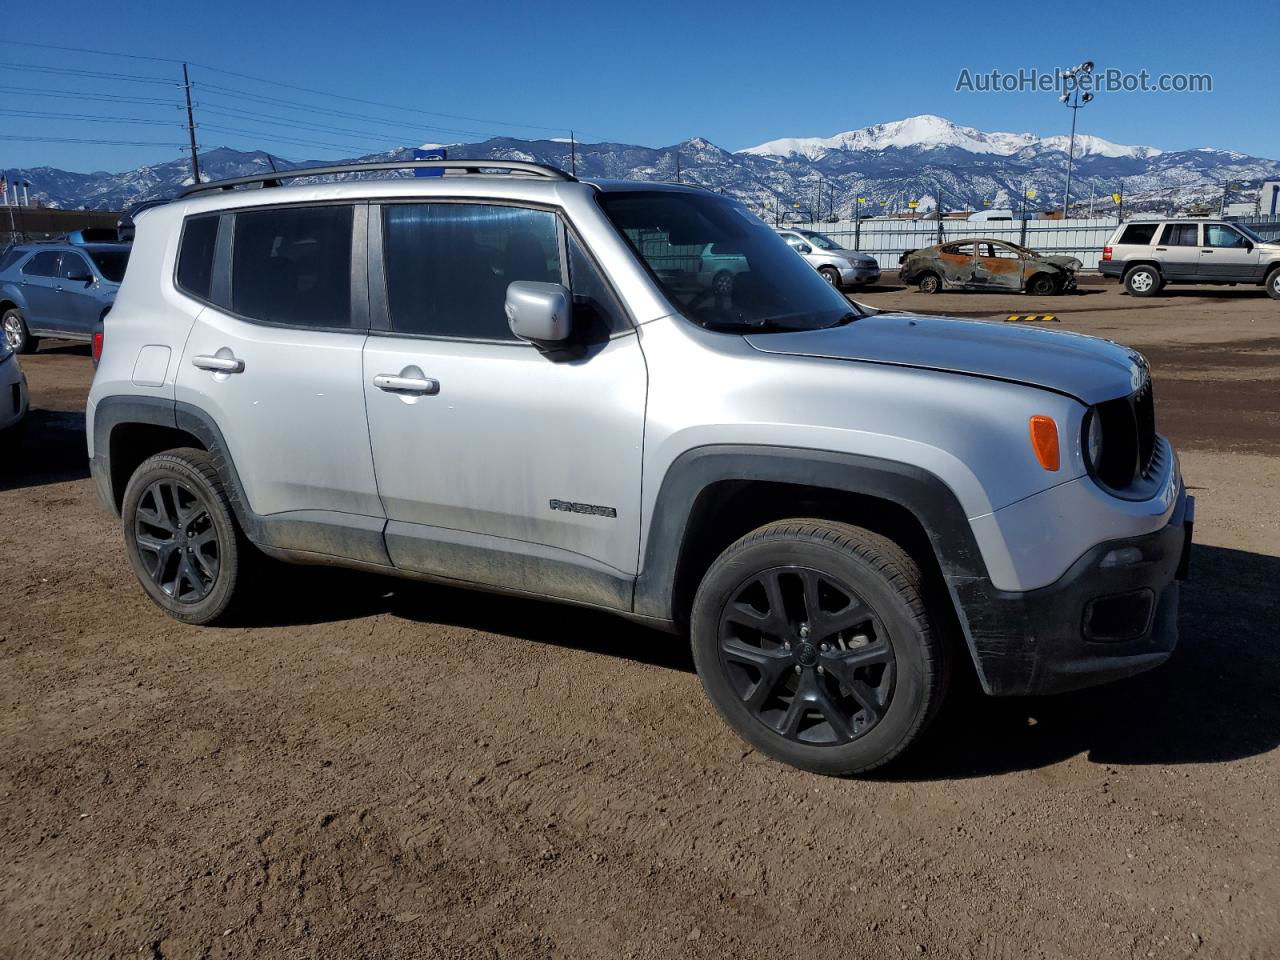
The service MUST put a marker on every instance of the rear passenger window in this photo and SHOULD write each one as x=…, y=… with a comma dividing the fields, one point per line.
x=1181, y=235
x=1139, y=233
x=448, y=265
x=42, y=264
x=195, y=257
x=293, y=266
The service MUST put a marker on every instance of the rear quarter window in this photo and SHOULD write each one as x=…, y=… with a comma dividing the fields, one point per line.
x=1139, y=233
x=195, y=256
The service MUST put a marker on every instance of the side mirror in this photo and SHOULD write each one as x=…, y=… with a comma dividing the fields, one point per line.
x=538, y=312
x=804, y=248
x=1248, y=245
x=79, y=276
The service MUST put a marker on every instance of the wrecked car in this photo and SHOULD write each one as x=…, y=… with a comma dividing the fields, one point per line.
x=982, y=264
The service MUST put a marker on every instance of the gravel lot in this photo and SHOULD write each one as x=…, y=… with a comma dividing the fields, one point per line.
x=374, y=768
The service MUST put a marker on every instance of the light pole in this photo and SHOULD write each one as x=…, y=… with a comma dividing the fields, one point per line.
x=1074, y=100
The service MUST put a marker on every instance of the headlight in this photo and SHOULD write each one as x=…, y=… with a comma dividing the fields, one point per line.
x=1092, y=440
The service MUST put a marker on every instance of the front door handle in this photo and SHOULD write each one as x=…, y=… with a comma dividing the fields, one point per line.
x=1206, y=251
x=398, y=384
x=219, y=364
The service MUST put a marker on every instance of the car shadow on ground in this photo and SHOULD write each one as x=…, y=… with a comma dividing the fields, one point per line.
x=48, y=446
x=1214, y=701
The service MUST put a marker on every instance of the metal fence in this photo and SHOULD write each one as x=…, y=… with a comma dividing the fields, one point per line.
x=887, y=240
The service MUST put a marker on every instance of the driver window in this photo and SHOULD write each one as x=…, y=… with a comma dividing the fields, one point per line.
x=73, y=264
x=1220, y=235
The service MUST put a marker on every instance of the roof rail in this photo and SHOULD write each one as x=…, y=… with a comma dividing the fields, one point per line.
x=273, y=178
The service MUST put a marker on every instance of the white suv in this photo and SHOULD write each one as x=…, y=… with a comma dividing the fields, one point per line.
x=508, y=379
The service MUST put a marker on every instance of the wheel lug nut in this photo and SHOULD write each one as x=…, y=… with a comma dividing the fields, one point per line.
x=786, y=645
x=804, y=631
x=798, y=668
x=820, y=670
x=825, y=647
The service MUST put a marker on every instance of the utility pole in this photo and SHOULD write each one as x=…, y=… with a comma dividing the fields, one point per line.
x=1226, y=188
x=573, y=154
x=191, y=126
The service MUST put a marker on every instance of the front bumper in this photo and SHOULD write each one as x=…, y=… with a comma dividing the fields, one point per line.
x=13, y=392
x=852, y=276
x=1094, y=624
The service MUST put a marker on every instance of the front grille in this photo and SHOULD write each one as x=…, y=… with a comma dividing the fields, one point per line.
x=1130, y=453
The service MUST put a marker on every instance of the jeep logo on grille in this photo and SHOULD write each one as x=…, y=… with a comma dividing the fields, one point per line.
x=568, y=506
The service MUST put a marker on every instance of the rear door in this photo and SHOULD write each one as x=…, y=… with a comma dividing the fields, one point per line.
x=958, y=264
x=275, y=360
x=497, y=462
x=1228, y=255
x=78, y=307
x=998, y=267
x=1178, y=251
x=38, y=281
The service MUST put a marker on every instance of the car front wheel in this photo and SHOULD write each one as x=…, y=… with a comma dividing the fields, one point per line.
x=1273, y=284
x=831, y=275
x=812, y=640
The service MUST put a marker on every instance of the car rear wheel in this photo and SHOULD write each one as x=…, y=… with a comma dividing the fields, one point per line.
x=16, y=334
x=812, y=640
x=1143, y=281
x=1273, y=284
x=831, y=275
x=181, y=537
x=930, y=283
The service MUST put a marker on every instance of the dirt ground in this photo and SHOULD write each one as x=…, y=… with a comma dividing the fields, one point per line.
x=374, y=768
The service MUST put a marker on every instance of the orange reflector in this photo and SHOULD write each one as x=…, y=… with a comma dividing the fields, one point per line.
x=1044, y=440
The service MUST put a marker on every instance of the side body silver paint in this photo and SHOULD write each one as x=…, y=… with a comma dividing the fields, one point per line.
x=511, y=429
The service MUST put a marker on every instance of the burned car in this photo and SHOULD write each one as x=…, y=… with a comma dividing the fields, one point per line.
x=982, y=264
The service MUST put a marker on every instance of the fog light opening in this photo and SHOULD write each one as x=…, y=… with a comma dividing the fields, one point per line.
x=1121, y=557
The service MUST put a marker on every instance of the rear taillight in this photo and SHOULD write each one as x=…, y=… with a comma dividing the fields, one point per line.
x=1106, y=253
x=97, y=347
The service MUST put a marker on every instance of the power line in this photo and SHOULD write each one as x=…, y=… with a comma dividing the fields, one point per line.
x=291, y=86
x=113, y=143
x=77, y=95
x=281, y=121
x=93, y=74
x=43, y=115
x=277, y=139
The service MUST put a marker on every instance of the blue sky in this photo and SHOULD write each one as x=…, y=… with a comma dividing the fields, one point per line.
x=650, y=73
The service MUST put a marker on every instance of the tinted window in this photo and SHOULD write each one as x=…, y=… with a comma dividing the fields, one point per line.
x=448, y=265
x=1218, y=235
x=10, y=258
x=195, y=259
x=73, y=264
x=1181, y=235
x=42, y=265
x=594, y=305
x=1139, y=233
x=110, y=263
x=293, y=266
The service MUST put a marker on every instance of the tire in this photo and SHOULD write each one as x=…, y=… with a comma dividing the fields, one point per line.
x=929, y=283
x=831, y=275
x=757, y=645
x=1273, y=284
x=14, y=327
x=1143, y=281
x=722, y=284
x=170, y=494
x=1041, y=285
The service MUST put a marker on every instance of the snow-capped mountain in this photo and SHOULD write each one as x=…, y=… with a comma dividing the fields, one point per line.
x=927, y=132
x=886, y=164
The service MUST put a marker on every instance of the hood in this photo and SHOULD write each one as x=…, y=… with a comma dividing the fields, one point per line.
x=1086, y=368
x=854, y=256
x=1067, y=263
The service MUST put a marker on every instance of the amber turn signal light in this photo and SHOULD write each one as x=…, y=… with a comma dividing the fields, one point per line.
x=1044, y=440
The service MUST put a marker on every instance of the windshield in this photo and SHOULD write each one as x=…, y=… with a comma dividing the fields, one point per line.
x=721, y=266
x=1248, y=233
x=110, y=263
x=821, y=241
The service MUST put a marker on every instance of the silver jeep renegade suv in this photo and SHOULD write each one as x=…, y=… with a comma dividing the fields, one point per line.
x=508, y=379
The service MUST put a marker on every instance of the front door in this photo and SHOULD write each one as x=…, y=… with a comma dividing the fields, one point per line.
x=1228, y=255
x=1179, y=251
x=500, y=463
x=957, y=261
x=998, y=267
x=275, y=360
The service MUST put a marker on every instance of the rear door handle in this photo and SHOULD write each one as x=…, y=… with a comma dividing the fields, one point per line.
x=219, y=364
x=1206, y=251
x=1162, y=249
x=397, y=384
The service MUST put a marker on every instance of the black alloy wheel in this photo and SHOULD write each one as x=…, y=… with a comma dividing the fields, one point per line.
x=807, y=656
x=177, y=541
